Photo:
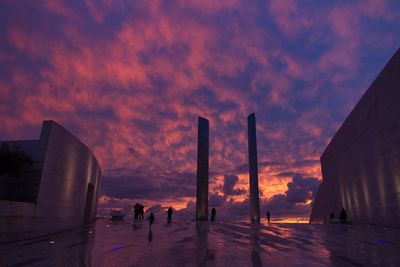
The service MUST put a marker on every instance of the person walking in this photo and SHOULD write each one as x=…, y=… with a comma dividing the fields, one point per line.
x=151, y=219
x=268, y=216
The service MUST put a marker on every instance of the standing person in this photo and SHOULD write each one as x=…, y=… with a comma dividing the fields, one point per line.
x=141, y=212
x=136, y=211
x=169, y=214
x=343, y=216
x=268, y=216
x=213, y=213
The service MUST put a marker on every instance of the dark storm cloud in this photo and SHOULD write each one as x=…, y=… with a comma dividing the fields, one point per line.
x=302, y=189
x=149, y=186
x=305, y=163
x=295, y=164
x=245, y=167
x=287, y=174
x=291, y=203
x=215, y=200
x=229, y=183
x=279, y=202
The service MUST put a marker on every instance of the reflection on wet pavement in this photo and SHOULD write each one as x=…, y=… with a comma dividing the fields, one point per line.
x=184, y=243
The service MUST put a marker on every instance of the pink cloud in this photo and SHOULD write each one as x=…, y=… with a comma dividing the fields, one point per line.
x=289, y=16
x=130, y=79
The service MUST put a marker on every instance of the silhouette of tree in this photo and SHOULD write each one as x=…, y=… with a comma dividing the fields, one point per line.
x=13, y=160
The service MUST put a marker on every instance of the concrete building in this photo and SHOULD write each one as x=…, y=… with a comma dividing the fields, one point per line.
x=202, y=170
x=58, y=192
x=361, y=164
x=253, y=169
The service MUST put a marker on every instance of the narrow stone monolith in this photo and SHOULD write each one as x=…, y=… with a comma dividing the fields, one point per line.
x=253, y=169
x=202, y=170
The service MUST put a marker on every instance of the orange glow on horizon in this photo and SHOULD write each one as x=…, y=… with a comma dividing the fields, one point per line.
x=177, y=204
x=291, y=220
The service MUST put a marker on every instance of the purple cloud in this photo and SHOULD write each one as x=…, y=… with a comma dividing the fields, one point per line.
x=131, y=77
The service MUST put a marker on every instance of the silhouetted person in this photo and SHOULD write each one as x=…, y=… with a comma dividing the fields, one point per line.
x=136, y=211
x=141, y=212
x=268, y=216
x=343, y=216
x=213, y=213
x=151, y=220
x=331, y=217
x=169, y=215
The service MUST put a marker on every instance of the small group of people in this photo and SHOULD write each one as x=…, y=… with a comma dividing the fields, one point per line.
x=138, y=211
x=151, y=218
x=342, y=217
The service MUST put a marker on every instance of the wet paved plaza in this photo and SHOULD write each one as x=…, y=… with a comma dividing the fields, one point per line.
x=185, y=243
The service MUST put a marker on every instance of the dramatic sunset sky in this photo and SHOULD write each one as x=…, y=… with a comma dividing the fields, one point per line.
x=129, y=78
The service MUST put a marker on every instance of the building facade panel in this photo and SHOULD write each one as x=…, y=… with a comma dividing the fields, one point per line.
x=67, y=168
x=361, y=165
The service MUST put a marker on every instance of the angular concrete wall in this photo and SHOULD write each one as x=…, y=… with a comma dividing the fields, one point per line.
x=68, y=168
x=202, y=170
x=361, y=165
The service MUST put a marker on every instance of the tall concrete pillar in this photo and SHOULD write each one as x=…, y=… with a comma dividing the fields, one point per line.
x=253, y=169
x=202, y=170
